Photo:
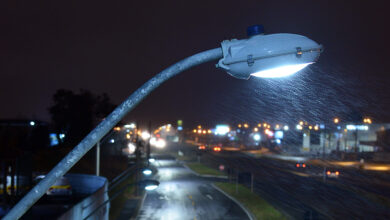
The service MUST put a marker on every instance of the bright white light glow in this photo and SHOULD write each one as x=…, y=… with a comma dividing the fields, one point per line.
x=112, y=141
x=152, y=160
x=299, y=127
x=221, y=129
x=32, y=123
x=285, y=128
x=357, y=127
x=131, y=148
x=132, y=125
x=282, y=71
x=62, y=136
x=147, y=172
x=145, y=135
x=151, y=187
x=159, y=143
x=256, y=137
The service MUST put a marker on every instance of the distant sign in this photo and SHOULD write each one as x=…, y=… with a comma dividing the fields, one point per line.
x=179, y=123
x=221, y=129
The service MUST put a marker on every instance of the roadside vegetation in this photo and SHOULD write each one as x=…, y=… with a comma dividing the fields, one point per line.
x=204, y=170
x=260, y=208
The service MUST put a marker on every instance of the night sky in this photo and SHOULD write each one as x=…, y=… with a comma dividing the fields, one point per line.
x=115, y=46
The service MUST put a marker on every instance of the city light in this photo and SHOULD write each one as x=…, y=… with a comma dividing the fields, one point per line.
x=147, y=172
x=117, y=128
x=357, y=127
x=286, y=127
x=239, y=125
x=279, y=134
x=194, y=130
x=112, y=141
x=221, y=129
x=145, y=135
x=151, y=187
x=299, y=127
x=336, y=120
x=131, y=148
x=367, y=120
x=32, y=123
x=259, y=125
x=246, y=125
x=255, y=129
x=158, y=143
x=132, y=126
x=316, y=127
x=301, y=123
x=256, y=137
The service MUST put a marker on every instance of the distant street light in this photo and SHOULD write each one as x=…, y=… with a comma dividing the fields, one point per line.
x=268, y=56
x=336, y=120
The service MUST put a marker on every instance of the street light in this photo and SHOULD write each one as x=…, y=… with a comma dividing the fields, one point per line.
x=273, y=55
x=268, y=56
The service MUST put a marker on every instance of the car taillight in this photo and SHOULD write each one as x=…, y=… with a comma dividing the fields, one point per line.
x=303, y=165
x=328, y=172
x=337, y=173
x=297, y=165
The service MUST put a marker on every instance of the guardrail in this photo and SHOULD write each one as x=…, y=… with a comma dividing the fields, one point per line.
x=97, y=187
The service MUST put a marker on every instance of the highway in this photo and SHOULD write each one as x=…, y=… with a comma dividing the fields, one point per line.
x=183, y=195
x=304, y=194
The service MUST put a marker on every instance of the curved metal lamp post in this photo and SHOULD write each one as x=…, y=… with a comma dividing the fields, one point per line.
x=259, y=55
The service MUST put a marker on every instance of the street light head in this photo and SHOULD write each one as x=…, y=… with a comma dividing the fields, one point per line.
x=149, y=184
x=268, y=56
x=147, y=172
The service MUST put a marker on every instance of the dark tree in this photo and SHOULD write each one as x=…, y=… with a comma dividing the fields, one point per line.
x=75, y=114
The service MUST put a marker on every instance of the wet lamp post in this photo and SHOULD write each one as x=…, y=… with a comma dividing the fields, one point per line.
x=260, y=55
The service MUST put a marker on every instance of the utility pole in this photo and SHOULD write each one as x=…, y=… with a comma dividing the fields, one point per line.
x=237, y=182
x=252, y=182
x=148, y=144
x=98, y=158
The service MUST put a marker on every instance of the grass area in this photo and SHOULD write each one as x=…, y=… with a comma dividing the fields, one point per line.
x=186, y=157
x=260, y=208
x=204, y=170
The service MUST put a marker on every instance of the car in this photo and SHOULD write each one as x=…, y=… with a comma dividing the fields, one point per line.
x=61, y=187
x=202, y=147
x=332, y=173
x=300, y=165
x=217, y=148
